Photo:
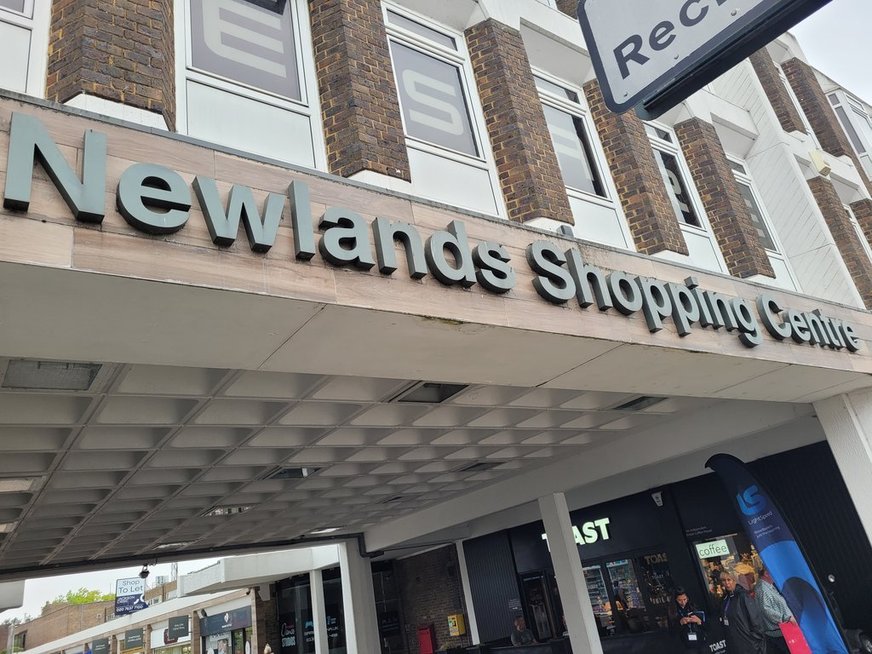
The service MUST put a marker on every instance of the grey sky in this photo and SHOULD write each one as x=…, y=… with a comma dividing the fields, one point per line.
x=837, y=41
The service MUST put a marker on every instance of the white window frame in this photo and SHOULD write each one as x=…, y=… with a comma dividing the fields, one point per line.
x=745, y=179
x=460, y=59
x=308, y=105
x=855, y=111
x=673, y=148
x=35, y=18
x=581, y=111
x=859, y=231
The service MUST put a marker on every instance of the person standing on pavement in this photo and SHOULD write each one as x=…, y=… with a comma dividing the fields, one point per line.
x=687, y=623
x=741, y=618
x=775, y=612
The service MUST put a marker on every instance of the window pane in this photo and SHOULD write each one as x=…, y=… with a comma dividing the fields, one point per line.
x=555, y=89
x=246, y=43
x=573, y=151
x=421, y=30
x=849, y=130
x=432, y=100
x=14, y=5
x=676, y=188
x=658, y=133
x=739, y=168
x=757, y=217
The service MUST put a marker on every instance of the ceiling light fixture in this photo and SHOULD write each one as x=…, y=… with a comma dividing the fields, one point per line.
x=429, y=393
x=639, y=404
x=176, y=545
x=23, y=374
x=225, y=510
x=292, y=473
x=324, y=530
x=18, y=485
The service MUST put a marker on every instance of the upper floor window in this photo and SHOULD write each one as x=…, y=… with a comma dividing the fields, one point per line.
x=24, y=45
x=247, y=81
x=746, y=188
x=570, y=136
x=864, y=242
x=246, y=44
x=449, y=155
x=672, y=168
x=18, y=6
x=432, y=86
x=856, y=123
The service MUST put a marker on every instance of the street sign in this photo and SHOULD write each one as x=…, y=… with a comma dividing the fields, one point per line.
x=652, y=54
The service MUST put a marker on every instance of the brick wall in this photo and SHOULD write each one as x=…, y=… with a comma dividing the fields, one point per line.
x=363, y=126
x=59, y=620
x=430, y=590
x=121, y=51
x=816, y=107
x=777, y=93
x=265, y=628
x=845, y=236
x=726, y=209
x=639, y=183
x=528, y=170
x=568, y=7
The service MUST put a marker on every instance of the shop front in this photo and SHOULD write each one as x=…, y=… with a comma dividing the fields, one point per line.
x=636, y=550
x=173, y=636
x=296, y=616
x=227, y=632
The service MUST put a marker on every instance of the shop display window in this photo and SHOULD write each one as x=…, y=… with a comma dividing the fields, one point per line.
x=724, y=554
x=628, y=595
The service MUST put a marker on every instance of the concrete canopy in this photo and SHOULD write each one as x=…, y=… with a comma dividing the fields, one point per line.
x=240, y=401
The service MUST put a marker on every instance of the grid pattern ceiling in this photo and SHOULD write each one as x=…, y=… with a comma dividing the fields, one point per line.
x=134, y=462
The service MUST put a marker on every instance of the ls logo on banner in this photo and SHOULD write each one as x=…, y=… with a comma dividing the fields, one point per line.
x=751, y=502
x=781, y=553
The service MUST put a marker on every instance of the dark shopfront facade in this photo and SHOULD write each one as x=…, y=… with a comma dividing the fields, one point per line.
x=637, y=549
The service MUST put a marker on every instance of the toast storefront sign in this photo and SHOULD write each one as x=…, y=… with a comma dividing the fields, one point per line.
x=156, y=200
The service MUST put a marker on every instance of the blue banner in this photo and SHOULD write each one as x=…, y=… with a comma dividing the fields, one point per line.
x=781, y=554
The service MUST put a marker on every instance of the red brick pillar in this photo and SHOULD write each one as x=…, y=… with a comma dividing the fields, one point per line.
x=817, y=108
x=527, y=165
x=121, y=51
x=863, y=213
x=726, y=209
x=363, y=127
x=845, y=236
x=196, y=638
x=820, y=113
x=640, y=185
x=777, y=93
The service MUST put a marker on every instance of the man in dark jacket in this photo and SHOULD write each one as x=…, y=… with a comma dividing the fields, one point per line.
x=742, y=620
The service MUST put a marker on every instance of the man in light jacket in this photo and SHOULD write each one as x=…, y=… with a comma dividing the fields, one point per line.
x=775, y=612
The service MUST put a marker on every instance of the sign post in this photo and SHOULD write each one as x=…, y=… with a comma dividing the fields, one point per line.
x=652, y=55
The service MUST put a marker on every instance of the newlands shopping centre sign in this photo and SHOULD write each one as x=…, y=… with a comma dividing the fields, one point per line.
x=156, y=200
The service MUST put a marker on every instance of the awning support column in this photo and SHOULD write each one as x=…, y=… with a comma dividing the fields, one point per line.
x=580, y=620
